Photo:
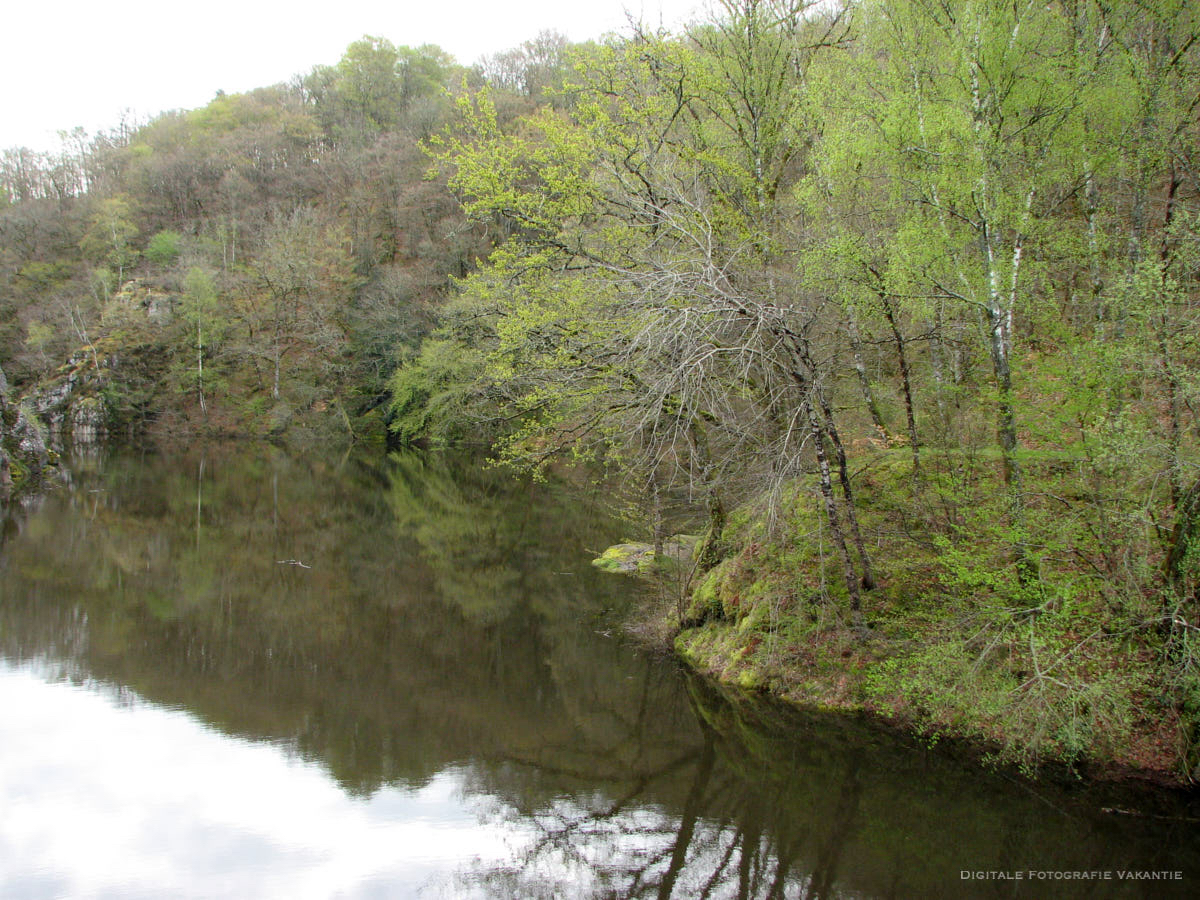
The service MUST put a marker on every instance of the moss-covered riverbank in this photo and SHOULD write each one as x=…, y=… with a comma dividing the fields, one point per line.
x=1067, y=671
x=834, y=672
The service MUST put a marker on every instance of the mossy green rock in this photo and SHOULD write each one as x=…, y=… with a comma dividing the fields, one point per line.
x=638, y=558
x=631, y=558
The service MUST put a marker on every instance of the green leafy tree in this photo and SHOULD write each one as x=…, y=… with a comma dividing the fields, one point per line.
x=163, y=249
x=110, y=235
x=640, y=301
x=200, y=310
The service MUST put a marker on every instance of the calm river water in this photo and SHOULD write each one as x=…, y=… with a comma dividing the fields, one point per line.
x=242, y=674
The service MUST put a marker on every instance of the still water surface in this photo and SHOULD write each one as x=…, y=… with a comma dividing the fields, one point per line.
x=242, y=674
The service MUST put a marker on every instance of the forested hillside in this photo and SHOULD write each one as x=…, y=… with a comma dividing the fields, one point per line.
x=264, y=260
x=899, y=296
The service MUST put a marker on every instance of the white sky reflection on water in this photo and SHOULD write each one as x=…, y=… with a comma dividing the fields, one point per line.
x=104, y=797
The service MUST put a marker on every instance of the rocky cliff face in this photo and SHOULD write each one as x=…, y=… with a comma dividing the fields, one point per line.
x=71, y=402
x=24, y=457
x=70, y=405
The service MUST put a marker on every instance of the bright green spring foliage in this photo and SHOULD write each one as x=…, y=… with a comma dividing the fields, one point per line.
x=912, y=285
x=163, y=249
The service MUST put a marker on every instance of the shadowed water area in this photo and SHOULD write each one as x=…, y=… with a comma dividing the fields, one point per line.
x=243, y=674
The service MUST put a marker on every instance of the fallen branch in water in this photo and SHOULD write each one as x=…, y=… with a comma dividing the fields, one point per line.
x=291, y=562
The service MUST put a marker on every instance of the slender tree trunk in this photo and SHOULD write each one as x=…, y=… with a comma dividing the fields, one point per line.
x=864, y=382
x=868, y=579
x=711, y=553
x=656, y=516
x=277, y=350
x=1181, y=553
x=711, y=549
x=828, y=429
x=1174, y=386
x=1007, y=432
x=1094, y=255
x=1006, y=427
x=831, y=512
x=905, y=384
x=937, y=354
x=1174, y=410
x=200, y=365
x=998, y=322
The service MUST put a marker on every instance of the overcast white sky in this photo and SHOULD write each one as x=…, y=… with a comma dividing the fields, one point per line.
x=81, y=62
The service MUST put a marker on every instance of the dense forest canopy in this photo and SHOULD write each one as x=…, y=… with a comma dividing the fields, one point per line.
x=901, y=294
x=272, y=252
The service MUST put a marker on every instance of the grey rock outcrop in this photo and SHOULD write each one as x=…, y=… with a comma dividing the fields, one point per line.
x=70, y=404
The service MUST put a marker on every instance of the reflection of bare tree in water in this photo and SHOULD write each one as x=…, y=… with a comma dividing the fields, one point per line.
x=836, y=837
x=692, y=808
x=683, y=825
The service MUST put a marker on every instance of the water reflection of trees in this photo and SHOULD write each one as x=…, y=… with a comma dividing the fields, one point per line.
x=450, y=619
x=676, y=825
x=765, y=802
x=421, y=631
